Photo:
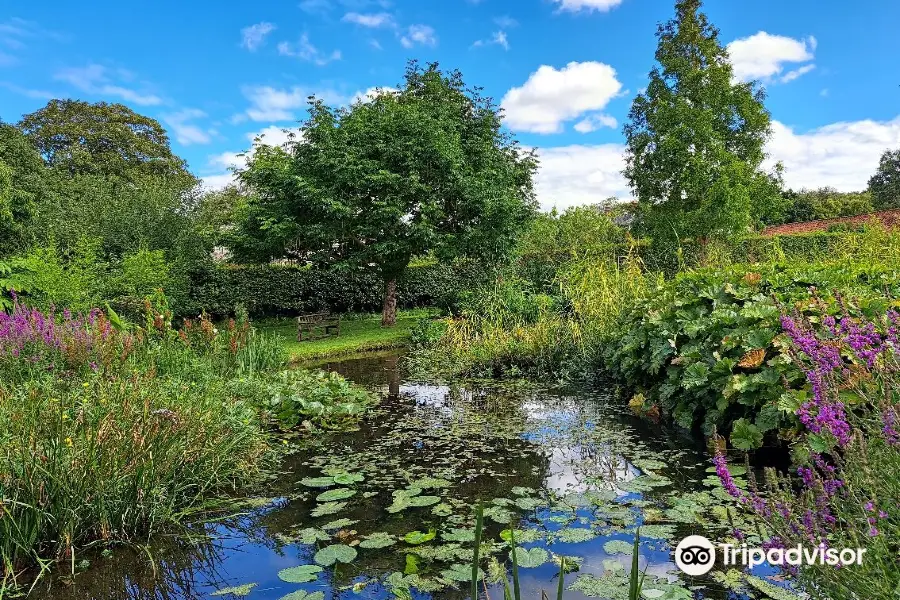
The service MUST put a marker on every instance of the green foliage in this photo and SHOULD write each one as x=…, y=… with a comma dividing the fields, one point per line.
x=274, y=290
x=425, y=169
x=822, y=203
x=77, y=137
x=695, y=138
x=885, y=183
x=24, y=185
x=707, y=347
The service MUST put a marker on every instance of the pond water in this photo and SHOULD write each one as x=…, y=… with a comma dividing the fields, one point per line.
x=395, y=500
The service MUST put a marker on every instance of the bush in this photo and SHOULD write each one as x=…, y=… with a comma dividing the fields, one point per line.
x=708, y=348
x=276, y=290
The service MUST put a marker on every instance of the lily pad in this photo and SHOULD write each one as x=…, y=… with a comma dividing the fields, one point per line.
x=335, y=494
x=417, y=537
x=239, y=590
x=348, y=478
x=459, y=572
x=529, y=559
x=311, y=535
x=300, y=574
x=317, y=482
x=378, y=540
x=575, y=535
x=329, y=508
x=329, y=555
x=618, y=547
x=304, y=595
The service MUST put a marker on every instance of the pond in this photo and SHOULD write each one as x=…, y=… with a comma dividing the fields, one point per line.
x=388, y=511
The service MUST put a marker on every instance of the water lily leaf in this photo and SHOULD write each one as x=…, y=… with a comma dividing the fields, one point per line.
x=339, y=524
x=770, y=589
x=239, y=590
x=335, y=494
x=442, y=510
x=300, y=574
x=311, y=535
x=424, y=500
x=426, y=483
x=317, y=482
x=329, y=508
x=329, y=555
x=529, y=559
x=461, y=573
x=618, y=547
x=348, y=478
x=418, y=537
x=304, y=595
x=378, y=540
x=523, y=536
x=459, y=535
x=575, y=535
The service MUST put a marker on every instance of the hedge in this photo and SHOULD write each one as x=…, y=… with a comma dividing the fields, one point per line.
x=284, y=290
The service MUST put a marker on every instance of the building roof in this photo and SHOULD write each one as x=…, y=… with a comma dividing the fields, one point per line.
x=888, y=218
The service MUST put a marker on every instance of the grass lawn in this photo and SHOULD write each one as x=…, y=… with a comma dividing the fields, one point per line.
x=359, y=333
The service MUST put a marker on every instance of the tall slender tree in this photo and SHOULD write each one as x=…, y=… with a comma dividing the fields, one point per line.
x=426, y=169
x=696, y=136
x=885, y=183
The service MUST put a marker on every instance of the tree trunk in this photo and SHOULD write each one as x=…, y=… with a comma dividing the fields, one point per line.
x=389, y=312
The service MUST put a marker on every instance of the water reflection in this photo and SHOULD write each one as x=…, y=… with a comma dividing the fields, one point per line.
x=491, y=438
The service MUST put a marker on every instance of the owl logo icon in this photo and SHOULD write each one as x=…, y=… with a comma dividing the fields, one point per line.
x=695, y=555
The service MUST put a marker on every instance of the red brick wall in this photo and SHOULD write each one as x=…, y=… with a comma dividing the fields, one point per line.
x=889, y=218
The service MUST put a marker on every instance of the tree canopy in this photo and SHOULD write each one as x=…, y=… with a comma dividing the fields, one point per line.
x=885, y=183
x=81, y=138
x=695, y=137
x=426, y=169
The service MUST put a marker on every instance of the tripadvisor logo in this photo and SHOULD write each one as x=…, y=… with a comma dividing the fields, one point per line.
x=695, y=555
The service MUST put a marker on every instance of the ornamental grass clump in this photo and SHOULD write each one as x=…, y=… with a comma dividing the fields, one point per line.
x=846, y=493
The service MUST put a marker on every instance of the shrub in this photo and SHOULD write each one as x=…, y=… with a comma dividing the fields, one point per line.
x=279, y=290
x=708, y=347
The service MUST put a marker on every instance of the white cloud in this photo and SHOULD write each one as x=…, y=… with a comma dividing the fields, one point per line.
x=419, y=34
x=498, y=38
x=506, y=22
x=595, y=122
x=185, y=132
x=587, y=5
x=553, y=96
x=254, y=36
x=273, y=104
x=99, y=81
x=272, y=135
x=573, y=175
x=373, y=20
x=371, y=93
x=306, y=51
x=840, y=155
x=764, y=56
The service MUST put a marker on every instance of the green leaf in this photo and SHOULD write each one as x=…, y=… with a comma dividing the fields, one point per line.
x=304, y=595
x=348, y=478
x=532, y=558
x=335, y=494
x=329, y=555
x=617, y=547
x=240, y=590
x=745, y=435
x=459, y=572
x=378, y=540
x=417, y=537
x=695, y=375
x=317, y=481
x=328, y=508
x=770, y=589
x=300, y=574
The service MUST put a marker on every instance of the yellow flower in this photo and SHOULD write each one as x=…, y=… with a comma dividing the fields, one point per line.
x=284, y=442
x=86, y=384
x=69, y=442
x=64, y=417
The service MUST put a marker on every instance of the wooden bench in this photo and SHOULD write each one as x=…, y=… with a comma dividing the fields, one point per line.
x=326, y=321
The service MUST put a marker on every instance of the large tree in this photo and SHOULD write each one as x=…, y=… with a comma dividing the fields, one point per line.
x=25, y=185
x=885, y=183
x=426, y=169
x=695, y=138
x=80, y=138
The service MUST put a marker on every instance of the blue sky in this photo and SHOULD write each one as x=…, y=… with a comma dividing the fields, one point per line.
x=216, y=74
